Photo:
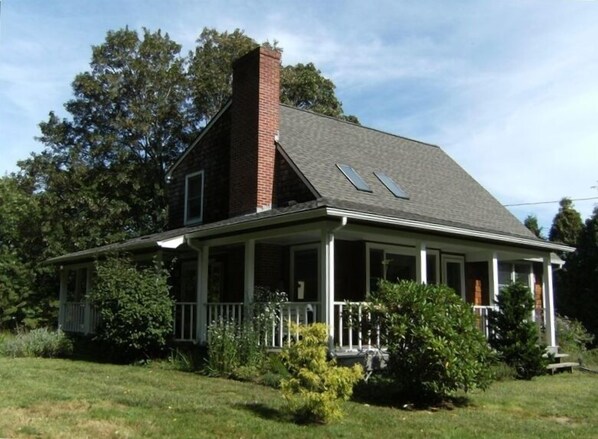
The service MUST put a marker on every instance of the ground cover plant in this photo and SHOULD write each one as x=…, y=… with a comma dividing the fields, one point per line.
x=55, y=398
x=41, y=342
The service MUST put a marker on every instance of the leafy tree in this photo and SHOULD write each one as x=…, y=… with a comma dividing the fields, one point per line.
x=566, y=224
x=514, y=334
x=102, y=172
x=433, y=343
x=135, y=309
x=303, y=86
x=531, y=222
x=580, y=278
x=21, y=244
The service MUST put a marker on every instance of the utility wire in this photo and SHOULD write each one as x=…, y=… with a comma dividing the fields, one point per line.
x=548, y=202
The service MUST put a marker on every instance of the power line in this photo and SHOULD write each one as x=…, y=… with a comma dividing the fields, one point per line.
x=548, y=202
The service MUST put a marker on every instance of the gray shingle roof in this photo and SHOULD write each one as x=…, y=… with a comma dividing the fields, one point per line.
x=439, y=190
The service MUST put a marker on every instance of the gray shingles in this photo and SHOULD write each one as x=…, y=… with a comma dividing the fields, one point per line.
x=438, y=188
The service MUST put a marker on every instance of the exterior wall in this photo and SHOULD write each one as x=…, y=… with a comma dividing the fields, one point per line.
x=477, y=287
x=288, y=186
x=212, y=155
x=271, y=266
x=255, y=121
x=350, y=269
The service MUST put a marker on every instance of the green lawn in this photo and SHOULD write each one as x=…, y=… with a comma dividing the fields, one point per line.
x=61, y=398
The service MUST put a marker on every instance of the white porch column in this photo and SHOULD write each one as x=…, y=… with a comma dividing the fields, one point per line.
x=421, y=263
x=249, y=272
x=549, y=302
x=62, y=298
x=327, y=282
x=203, y=256
x=493, y=277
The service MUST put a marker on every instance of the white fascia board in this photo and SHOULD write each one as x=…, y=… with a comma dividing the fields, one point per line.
x=419, y=225
x=198, y=139
x=172, y=242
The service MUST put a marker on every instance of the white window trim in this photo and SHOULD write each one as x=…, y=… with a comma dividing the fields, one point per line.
x=461, y=261
x=187, y=178
x=292, y=285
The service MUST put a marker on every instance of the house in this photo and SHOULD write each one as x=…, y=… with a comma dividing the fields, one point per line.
x=274, y=196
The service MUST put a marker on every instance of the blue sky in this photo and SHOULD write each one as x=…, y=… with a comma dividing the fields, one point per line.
x=508, y=88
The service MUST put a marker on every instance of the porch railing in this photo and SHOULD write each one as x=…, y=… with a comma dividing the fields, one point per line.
x=482, y=313
x=354, y=328
x=185, y=321
x=73, y=319
x=281, y=327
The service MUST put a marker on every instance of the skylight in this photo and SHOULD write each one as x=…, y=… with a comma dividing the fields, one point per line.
x=354, y=178
x=391, y=185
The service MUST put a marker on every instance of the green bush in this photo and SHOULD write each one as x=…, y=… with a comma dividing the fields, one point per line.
x=433, y=344
x=234, y=350
x=135, y=309
x=514, y=335
x=573, y=338
x=39, y=342
x=316, y=386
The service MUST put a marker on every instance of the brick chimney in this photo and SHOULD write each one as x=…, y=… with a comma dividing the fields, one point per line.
x=255, y=114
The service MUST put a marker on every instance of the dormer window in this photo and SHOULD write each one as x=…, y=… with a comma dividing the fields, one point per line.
x=194, y=198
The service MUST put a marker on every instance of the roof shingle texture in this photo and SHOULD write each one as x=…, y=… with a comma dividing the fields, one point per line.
x=439, y=190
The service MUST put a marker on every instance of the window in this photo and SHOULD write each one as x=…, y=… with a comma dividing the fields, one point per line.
x=453, y=273
x=391, y=185
x=354, y=178
x=194, y=198
x=392, y=263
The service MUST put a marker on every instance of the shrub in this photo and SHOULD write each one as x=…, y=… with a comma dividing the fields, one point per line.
x=232, y=346
x=316, y=386
x=514, y=335
x=572, y=337
x=135, y=309
x=38, y=343
x=433, y=344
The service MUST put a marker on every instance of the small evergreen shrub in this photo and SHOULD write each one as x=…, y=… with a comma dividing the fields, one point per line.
x=39, y=342
x=316, y=386
x=135, y=309
x=433, y=344
x=514, y=335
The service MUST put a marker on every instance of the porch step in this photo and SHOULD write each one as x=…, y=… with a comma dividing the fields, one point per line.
x=556, y=355
x=561, y=367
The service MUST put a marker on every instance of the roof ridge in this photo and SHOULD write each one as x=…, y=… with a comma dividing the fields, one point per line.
x=336, y=119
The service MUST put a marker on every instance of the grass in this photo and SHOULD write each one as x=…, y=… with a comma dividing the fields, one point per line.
x=63, y=398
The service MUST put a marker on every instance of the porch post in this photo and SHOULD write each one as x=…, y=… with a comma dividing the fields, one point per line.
x=549, y=302
x=493, y=277
x=87, y=313
x=327, y=282
x=203, y=256
x=421, y=263
x=249, y=272
x=62, y=298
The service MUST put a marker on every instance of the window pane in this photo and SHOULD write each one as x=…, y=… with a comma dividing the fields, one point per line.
x=453, y=276
x=354, y=178
x=431, y=269
x=504, y=274
x=391, y=185
x=399, y=267
x=376, y=272
x=522, y=274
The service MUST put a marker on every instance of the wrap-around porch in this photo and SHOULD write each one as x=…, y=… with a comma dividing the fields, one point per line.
x=327, y=269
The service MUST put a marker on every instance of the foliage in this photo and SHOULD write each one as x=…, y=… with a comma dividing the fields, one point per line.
x=135, y=308
x=23, y=281
x=232, y=346
x=572, y=337
x=316, y=386
x=514, y=335
x=531, y=222
x=566, y=224
x=433, y=343
x=40, y=342
x=577, y=282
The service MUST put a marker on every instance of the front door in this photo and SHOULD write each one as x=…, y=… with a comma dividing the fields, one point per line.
x=305, y=280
